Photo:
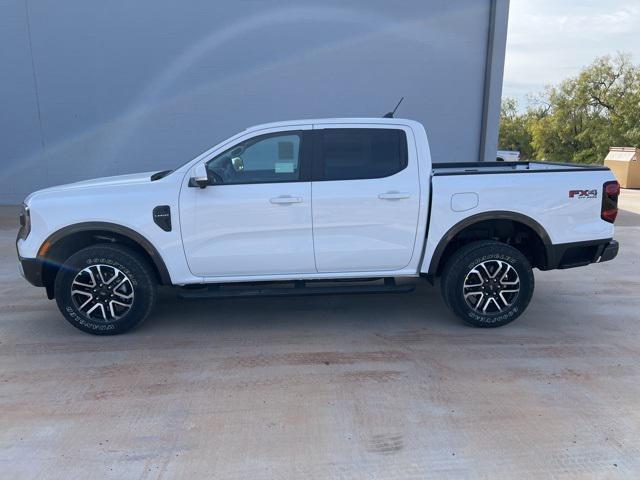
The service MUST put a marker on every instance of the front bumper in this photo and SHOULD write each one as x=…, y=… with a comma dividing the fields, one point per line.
x=31, y=270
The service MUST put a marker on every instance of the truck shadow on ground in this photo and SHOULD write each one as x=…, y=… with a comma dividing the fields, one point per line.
x=627, y=219
x=421, y=307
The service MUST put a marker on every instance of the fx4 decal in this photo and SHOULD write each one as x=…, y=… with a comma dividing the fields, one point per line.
x=583, y=193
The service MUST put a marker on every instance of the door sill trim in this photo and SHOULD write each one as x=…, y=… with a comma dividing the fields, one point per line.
x=307, y=276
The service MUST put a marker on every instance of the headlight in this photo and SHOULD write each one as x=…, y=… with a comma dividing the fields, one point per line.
x=25, y=222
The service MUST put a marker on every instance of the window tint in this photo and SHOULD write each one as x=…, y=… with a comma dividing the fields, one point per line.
x=349, y=154
x=263, y=159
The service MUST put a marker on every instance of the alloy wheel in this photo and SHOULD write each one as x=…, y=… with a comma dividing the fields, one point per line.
x=491, y=287
x=102, y=292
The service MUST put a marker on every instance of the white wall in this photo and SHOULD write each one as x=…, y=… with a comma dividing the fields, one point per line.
x=101, y=88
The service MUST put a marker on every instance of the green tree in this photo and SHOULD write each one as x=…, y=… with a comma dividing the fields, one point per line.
x=514, y=132
x=579, y=119
x=585, y=115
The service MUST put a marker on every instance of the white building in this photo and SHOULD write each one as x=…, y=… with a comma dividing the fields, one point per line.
x=101, y=88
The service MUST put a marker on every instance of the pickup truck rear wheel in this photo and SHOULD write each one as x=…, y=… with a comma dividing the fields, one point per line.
x=487, y=283
x=105, y=289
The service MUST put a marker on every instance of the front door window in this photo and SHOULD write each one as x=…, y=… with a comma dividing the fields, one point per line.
x=272, y=158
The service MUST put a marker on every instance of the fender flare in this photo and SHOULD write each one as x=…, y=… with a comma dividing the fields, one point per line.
x=480, y=217
x=147, y=246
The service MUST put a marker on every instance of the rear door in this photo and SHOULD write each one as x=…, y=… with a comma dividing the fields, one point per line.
x=365, y=197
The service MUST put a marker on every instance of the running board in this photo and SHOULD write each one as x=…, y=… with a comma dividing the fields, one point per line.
x=297, y=288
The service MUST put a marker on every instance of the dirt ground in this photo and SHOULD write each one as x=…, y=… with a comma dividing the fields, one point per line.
x=345, y=387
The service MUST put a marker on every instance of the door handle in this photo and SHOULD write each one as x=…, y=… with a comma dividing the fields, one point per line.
x=285, y=200
x=393, y=195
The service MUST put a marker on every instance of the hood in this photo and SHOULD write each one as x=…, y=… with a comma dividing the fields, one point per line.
x=134, y=178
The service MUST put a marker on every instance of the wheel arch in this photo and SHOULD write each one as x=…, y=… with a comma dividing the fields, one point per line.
x=495, y=217
x=72, y=238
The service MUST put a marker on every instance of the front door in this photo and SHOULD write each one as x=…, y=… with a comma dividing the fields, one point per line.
x=254, y=217
x=366, y=193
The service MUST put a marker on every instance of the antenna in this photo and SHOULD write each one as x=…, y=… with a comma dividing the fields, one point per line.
x=391, y=114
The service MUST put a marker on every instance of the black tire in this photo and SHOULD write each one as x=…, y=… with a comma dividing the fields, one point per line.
x=506, y=305
x=108, y=259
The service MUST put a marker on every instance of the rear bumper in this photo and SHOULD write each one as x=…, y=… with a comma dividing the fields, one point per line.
x=579, y=254
x=610, y=251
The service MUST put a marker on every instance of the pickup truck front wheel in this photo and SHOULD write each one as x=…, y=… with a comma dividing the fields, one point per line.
x=105, y=289
x=487, y=283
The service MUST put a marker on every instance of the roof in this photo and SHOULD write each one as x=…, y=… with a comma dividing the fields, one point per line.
x=324, y=121
x=623, y=154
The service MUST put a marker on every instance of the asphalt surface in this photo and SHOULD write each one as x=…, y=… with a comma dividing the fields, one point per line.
x=347, y=387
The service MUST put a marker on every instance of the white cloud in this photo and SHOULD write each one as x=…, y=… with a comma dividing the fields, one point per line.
x=550, y=40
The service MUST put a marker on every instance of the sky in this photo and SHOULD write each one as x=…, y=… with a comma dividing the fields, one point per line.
x=550, y=40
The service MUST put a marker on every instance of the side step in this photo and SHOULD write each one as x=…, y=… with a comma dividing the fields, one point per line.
x=300, y=287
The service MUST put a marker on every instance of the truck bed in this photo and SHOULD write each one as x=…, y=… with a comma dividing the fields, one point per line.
x=477, y=168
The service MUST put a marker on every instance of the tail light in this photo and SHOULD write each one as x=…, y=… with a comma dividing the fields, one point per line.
x=610, y=193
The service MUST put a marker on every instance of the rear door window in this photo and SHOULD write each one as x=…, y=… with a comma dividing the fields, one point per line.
x=359, y=153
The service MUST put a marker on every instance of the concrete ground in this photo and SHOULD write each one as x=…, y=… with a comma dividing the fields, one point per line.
x=348, y=387
x=630, y=200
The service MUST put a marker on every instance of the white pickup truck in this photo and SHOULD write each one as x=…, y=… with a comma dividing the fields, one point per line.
x=315, y=206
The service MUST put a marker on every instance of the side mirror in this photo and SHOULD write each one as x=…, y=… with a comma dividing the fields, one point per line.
x=200, y=177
